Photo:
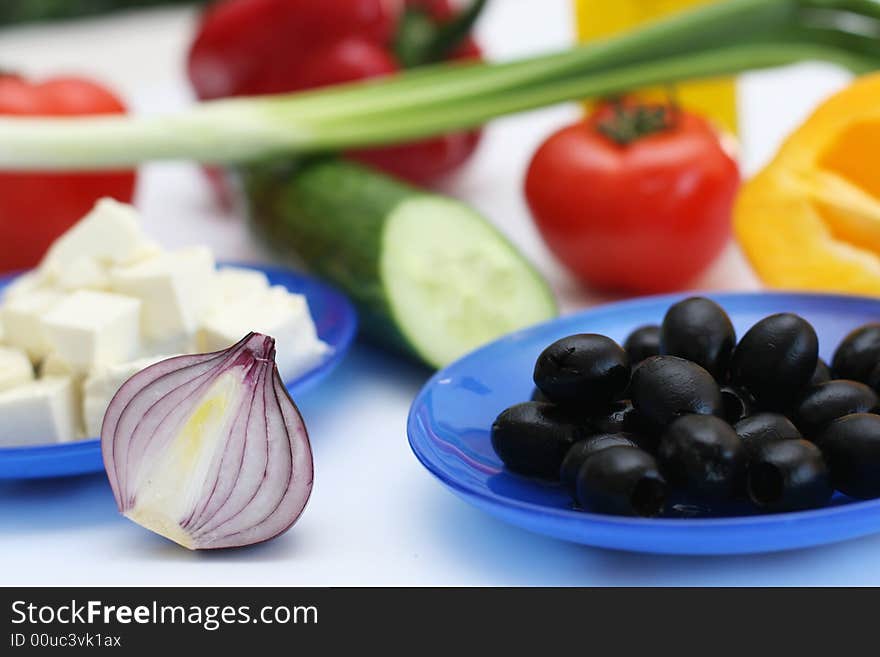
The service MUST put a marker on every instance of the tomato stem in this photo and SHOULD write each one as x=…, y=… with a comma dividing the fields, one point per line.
x=629, y=122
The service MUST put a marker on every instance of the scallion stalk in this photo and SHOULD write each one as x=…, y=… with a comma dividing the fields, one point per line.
x=718, y=39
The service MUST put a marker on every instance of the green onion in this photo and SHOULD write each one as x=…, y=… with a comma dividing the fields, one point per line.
x=718, y=39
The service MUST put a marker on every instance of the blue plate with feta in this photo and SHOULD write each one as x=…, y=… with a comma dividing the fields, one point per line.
x=40, y=410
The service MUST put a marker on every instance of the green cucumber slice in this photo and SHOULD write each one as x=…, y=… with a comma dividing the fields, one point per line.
x=429, y=274
x=453, y=282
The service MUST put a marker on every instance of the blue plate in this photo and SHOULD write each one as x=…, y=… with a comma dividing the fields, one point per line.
x=335, y=320
x=449, y=423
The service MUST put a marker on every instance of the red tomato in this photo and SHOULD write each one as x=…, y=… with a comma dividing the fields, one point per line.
x=646, y=216
x=35, y=208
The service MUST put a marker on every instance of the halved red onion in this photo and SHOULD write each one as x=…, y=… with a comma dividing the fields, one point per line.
x=209, y=450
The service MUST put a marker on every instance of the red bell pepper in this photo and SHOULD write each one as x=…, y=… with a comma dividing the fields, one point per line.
x=35, y=208
x=252, y=47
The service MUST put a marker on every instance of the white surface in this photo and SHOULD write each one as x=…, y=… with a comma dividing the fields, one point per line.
x=376, y=517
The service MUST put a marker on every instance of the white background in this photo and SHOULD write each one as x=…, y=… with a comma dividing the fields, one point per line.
x=376, y=517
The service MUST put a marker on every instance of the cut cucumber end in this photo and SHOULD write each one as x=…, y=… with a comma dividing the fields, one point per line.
x=453, y=282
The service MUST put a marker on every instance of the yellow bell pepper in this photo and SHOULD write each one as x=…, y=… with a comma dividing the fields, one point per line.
x=714, y=99
x=811, y=218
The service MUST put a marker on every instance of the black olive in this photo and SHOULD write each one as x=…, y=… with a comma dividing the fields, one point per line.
x=699, y=330
x=642, y=343
x=621, y=481
x=532, y=438
x=874, y=378
x=621, y=416
x=788, y=475
x=775, y=360
x=829, y=401
x=760, y=428
x=583, y=449
x=538, y=396
x=821, y=374
x=583, y=370
x=664, y=387
x=851, y=445
x=738, y=403
x=858, y=354
x=702, y=455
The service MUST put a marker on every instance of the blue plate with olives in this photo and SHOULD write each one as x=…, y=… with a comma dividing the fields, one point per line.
x=726, y=424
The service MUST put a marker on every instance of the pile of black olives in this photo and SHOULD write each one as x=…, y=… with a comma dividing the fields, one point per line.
x=685, y=412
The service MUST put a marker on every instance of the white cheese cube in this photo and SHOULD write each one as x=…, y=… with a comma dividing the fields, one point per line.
x=91, y=330
x=239, y=283
x=110, y=234
x=54, y=365
x=175, y=289
x=85, y=273
x=276, y=313
x=100, y=387
x=39, y=412
x=24, y=284
x=15, y=368
x=22, y=317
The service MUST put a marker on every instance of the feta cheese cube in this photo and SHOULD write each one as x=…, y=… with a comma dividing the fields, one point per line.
x=110, y=234
x=54, y=365
x=84, y=273
x=175, y=289
x=24, y=284
x=15, y=368
x=91, y=330
x=277, y=313
x=100, y=387
x=38, y=412
x=239, y=283
x=22, y=317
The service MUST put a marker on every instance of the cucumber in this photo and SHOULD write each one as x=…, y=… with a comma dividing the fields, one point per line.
x=428, y=273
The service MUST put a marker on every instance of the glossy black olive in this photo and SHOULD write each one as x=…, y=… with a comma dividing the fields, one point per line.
x=702, y=455
x=664, y=387
x=583, y=449
x=533, y=438
x=775, y=360
x=621, y=481
x=738, y=403
x=851, y=445
x=858, y=354
x=788, y=475
x=760, y=428
x=643, y=343
x=829, y=401
x=583, y=370
x=699, y=330
x=620, y=416
x=538, y=396
x=874, y=378
x=821, y=374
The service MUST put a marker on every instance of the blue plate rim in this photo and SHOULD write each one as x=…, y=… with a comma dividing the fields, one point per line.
x=306, y=381
x=413, y=421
